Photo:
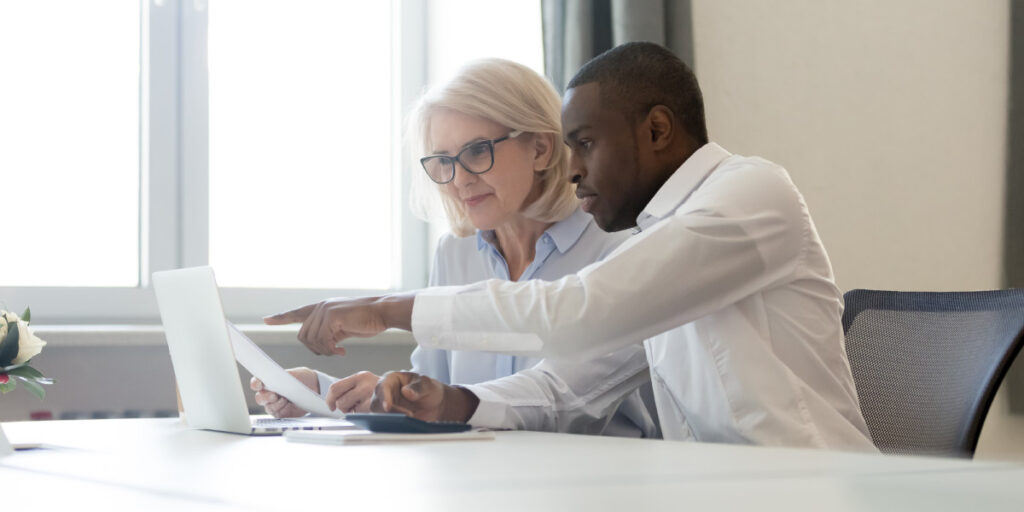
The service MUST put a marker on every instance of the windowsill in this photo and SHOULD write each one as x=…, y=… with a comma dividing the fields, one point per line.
x=153, y=335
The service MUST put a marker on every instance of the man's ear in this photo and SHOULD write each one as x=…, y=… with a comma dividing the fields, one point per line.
x=661, y=126
x=544, y=148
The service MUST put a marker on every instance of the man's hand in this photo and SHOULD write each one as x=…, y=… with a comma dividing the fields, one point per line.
x=327, y=323
x=279, y=406
x=423, y=398
x=353, y=393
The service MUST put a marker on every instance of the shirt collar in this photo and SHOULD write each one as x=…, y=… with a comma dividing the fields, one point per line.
x=682, y=183
x=484, y=239
x=563, y=233
x=567, y=231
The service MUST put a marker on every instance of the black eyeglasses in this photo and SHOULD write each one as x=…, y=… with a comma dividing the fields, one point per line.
x=476, y=158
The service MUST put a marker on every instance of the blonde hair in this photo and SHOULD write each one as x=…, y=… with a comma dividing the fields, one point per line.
x=509, y=94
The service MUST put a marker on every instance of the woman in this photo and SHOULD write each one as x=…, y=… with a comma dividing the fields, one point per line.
x=496, y=163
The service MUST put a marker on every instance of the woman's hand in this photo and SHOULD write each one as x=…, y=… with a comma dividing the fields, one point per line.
x=279, y=406
x=353, y=393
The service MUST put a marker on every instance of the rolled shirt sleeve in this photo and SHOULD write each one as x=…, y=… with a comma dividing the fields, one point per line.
x=556, y=396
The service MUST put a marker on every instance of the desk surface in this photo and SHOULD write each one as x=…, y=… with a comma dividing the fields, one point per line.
x=160, y=464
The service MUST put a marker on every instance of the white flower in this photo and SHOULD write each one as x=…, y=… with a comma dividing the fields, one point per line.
x=28, y=344
x=11, y=317
x=6, y=317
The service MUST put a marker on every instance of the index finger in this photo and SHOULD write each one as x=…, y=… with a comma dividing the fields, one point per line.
x=290, y=317
x=384, y=393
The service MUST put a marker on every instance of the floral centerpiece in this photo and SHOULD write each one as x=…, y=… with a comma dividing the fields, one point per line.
x=17, y=348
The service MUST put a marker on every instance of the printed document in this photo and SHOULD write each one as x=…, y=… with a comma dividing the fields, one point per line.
x=275, y=378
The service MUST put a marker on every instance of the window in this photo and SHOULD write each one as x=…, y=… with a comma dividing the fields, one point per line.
x=258, y=137
x=463, y=30
x=300, y=145
x=69, y=143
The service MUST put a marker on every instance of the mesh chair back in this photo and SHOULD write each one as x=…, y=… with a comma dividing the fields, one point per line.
x=927, y=364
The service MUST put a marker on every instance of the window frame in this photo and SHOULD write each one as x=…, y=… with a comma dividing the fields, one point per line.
x=174, y=187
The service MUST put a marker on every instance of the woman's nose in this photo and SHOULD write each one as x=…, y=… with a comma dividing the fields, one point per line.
x=462, y=176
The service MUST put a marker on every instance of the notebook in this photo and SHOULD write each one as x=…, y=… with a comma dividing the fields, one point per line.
x=199, y=339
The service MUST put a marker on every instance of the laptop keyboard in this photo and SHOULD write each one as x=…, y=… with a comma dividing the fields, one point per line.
x=303, y=423
x=278, y=423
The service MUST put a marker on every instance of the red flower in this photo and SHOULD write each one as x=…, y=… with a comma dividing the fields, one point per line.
x=4, y=378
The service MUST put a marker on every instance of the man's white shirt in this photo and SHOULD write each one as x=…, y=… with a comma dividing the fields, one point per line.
x=597, y=397
x=732, y=292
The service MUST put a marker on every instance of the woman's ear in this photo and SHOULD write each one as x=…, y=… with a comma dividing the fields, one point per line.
x=544, y=148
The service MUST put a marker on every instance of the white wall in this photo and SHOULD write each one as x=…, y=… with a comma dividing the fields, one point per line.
x=891, y=118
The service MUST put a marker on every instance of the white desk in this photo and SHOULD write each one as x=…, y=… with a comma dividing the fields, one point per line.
x=159, y=464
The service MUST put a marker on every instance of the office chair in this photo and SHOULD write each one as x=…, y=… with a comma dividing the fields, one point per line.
x=927, y=364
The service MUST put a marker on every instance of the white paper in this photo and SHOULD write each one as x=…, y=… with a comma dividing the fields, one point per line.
x=275, y=378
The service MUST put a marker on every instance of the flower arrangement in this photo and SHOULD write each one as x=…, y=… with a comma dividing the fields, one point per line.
x=17, y=348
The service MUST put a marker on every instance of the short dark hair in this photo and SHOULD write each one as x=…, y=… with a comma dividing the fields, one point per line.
x=637, y=76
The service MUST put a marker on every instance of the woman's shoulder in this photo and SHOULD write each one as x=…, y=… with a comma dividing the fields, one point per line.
x=458, y=261
x=451, y=245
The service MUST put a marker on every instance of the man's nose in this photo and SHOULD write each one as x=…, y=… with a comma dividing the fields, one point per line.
x=576, y=169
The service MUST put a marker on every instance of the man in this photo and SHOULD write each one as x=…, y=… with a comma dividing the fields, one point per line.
x=726, y=279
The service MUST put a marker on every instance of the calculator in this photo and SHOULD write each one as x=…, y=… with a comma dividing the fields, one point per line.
x=397, y=423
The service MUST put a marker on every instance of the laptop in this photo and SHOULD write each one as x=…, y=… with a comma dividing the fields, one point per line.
x=204, y=361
